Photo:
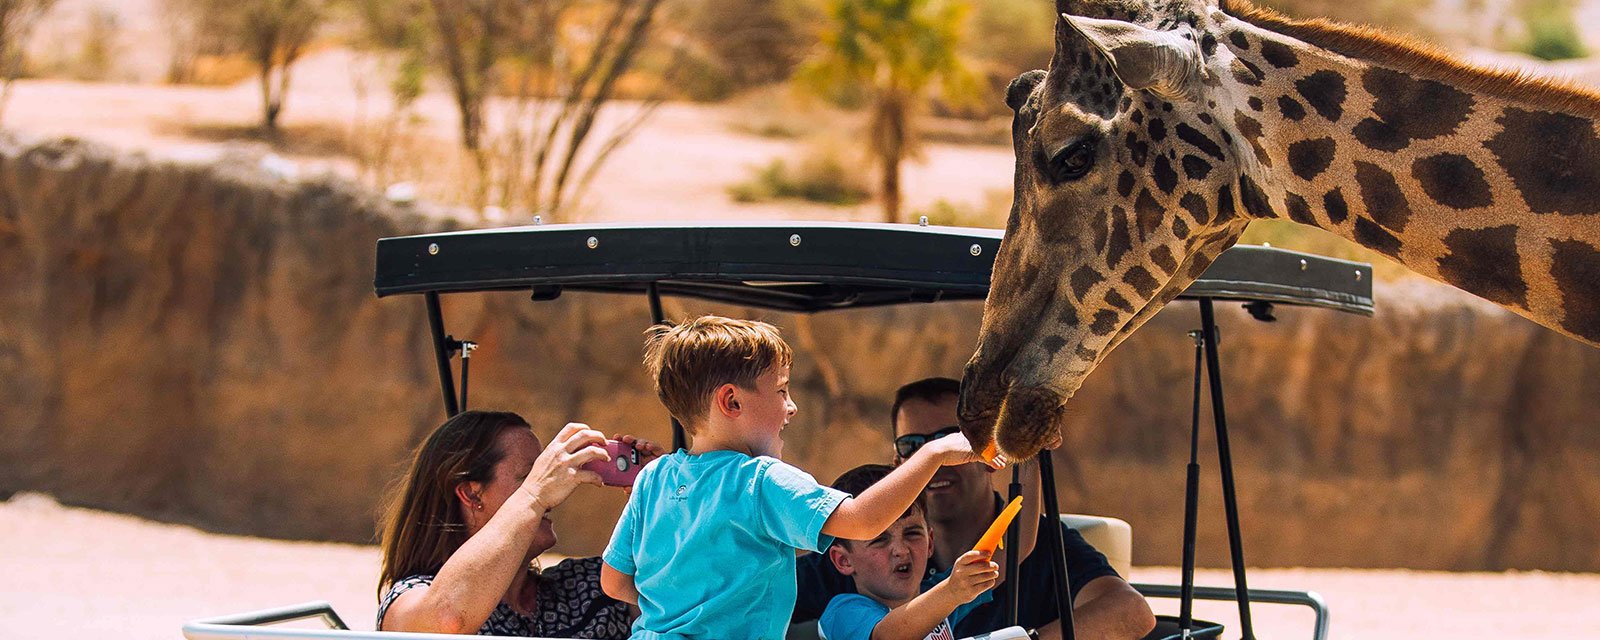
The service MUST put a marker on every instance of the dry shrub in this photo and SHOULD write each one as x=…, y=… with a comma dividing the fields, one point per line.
x=824, y=174
x=220, y=70
x=990, y=213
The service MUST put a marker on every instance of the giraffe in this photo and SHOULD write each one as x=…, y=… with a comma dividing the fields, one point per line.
x=1162, y=128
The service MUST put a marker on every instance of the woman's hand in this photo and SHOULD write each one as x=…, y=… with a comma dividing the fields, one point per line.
x=559, y=469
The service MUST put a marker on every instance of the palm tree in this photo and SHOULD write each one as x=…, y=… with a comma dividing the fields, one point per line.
x=893, y=53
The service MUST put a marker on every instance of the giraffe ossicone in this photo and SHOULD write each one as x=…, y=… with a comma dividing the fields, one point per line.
x=1161, y=129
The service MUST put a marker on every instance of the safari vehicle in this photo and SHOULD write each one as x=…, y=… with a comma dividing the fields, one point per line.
x=814, y=268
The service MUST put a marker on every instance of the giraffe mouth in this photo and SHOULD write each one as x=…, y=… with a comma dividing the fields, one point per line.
x=1020, y=420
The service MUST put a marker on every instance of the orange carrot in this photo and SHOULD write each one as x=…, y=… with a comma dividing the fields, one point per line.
x=988, y=454
x=991, y=538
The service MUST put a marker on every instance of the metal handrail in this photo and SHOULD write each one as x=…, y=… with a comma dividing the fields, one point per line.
x=251, y=626
x=1310, y=599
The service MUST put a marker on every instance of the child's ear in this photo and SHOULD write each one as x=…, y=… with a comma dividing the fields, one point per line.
x=841, y=560
x=725, y=400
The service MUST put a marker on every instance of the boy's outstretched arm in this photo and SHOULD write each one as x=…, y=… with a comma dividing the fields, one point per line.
x=618, y=585
x=870, y=513
x=974, y=573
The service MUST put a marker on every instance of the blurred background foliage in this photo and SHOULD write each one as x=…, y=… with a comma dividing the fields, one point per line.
x=545, y=90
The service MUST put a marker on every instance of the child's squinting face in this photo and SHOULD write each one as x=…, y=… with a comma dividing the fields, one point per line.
x=890, y=567
x=766, y=409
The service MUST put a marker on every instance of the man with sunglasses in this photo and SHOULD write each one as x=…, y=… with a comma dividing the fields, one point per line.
x=960, y=502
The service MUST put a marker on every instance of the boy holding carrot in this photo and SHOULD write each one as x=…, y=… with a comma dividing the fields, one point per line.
x=706, y=544
x=890, y=603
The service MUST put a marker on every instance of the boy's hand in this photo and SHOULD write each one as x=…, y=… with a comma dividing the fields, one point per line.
x=973, y=574
x=950, y=450
x=648, y=450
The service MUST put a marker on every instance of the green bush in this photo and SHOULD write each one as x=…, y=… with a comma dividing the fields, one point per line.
x=821, y=176
x=991, y=213
x=1551, y=33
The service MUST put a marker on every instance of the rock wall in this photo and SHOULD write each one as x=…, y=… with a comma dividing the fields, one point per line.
x=201, y=344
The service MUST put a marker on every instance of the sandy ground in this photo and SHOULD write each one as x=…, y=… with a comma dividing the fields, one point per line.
x=77, y=573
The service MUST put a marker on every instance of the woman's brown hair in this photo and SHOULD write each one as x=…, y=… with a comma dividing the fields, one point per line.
x=422, y=523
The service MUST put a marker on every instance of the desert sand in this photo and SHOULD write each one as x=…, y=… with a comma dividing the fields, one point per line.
x=78, y=573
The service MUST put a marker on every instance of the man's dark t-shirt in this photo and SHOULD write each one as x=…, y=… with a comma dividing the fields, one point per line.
x=819, y=582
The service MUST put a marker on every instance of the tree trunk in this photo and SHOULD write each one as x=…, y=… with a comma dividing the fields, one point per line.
x=890, y=124
x=269, y=106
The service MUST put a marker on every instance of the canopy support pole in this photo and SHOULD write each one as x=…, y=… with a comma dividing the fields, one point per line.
x=1230, y=498
x=1191, y=493
x=441, y=354
x=1056, y=545
x=659, y=317
x=1013, y=542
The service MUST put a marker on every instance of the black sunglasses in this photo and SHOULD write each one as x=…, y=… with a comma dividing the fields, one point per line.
x=907, y=445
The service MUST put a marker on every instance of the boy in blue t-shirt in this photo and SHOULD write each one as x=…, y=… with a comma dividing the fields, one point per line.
x=888, y=571
x=706, y=544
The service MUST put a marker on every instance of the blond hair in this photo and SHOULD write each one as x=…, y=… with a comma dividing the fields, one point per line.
x=689, y=360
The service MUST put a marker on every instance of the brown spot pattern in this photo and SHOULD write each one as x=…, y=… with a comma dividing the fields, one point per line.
x=1142, y=282
x=1166, y=177
x=1334, y=205
x=1149, y=213
x=1163, y=258
x=1309, y=158
x=1553, y=158
x=1195, y=168
x=1200, y=141
x=1291, y=109
x=1370, y=235
x=1116, y=300
x=1278, y=54
x=1325, y=92
x=1576, y=270
x=1196, y=206
x=1407, y=108
x=1253, y=198
x=1246, y=73
x=1251, y=130
x=1105, y=321
x=1386, y=205
x=1452, y=180
x=1082, y=279
x=1120, y=241
x=1485, y=262
x=1299, y=210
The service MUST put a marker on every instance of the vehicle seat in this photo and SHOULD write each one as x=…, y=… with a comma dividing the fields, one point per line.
x=1112, y=536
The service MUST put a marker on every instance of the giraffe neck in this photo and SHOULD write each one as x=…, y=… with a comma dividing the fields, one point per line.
x=1481, y=179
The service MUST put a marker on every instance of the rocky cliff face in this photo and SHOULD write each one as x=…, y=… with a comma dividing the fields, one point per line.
x=201, y=344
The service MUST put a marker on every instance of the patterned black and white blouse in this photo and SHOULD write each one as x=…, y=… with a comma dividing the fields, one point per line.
x=570, y=605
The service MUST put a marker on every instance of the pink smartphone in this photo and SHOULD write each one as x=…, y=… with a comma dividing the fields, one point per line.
x=623, y=467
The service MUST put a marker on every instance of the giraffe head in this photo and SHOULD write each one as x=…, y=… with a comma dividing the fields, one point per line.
x=1132, y=173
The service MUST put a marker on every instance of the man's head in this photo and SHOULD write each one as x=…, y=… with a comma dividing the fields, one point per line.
x=888, y=568
x=715, y=370
x=924, y=410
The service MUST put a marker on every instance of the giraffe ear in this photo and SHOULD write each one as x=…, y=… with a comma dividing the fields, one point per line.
x=1163, y=62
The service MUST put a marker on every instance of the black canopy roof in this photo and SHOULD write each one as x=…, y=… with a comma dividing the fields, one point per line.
x=800, y=266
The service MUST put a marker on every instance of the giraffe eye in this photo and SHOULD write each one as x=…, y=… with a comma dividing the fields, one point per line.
x=1073, y=162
